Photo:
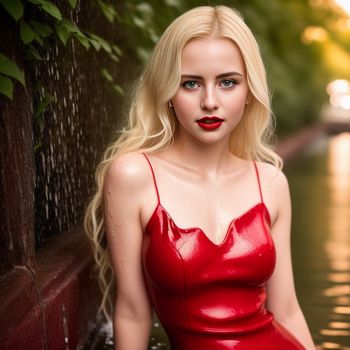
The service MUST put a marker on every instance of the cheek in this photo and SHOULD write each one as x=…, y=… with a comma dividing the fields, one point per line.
x=184, y=103
x=238, y=100
x=235, y=104
x=183, y=99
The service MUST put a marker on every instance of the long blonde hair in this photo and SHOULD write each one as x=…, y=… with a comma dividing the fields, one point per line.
x=151, y=124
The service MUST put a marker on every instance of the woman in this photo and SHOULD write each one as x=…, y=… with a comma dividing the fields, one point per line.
x=193, y=203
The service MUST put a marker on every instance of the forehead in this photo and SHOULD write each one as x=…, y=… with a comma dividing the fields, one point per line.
x=211, y=55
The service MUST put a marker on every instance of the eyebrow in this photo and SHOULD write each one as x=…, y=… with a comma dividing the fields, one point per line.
x=223, y=75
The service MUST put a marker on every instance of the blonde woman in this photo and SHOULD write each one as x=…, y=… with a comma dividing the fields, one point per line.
x=193, y=203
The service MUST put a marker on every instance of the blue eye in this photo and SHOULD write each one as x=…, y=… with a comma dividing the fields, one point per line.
x=227, y=83
x=190, y=84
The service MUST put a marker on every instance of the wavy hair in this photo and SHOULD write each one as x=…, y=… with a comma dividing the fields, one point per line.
x=152, y=124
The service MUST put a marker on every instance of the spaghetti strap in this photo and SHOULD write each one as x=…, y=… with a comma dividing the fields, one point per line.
x=154, y=177
x=258, y=177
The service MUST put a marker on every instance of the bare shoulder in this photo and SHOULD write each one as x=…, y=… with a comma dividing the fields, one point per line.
x=127, y=172
x=272, y=177
x=128, y=168
x=275, y=189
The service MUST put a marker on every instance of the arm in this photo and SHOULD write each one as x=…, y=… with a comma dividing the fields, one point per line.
x=282, y=300
x=123, y=189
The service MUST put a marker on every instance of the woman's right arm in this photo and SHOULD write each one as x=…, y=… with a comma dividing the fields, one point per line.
x=124, y=188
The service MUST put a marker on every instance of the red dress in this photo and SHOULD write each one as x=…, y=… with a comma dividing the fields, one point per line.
x=209, y=296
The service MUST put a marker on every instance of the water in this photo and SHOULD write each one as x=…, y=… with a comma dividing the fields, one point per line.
x=320, y=190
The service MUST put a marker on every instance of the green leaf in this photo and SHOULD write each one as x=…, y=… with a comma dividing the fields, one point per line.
x=52, y=9
x=73, y=3
x=139, y=22
x=145, y=9
x=108, y=10
x=117, y=50
x=62, y=33
x=42, y=29
x=143, y=54
x=10, y=68
x=6, y=86
x=27, y=35
x=153, y=36
x=49, y=7
x=104, y=44
x=38, y=39
x=43, y=104
x=173, y=3
x=105, y=73
x=33, y=53
x=83, y=40
x=96, y=44
x=114, y=57
x=118, y=89
x=70, y=26
x=14, y=7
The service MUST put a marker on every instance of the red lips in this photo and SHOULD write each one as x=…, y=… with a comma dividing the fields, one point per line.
x=210, y=123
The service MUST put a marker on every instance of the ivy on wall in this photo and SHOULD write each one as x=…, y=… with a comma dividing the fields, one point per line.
x=9, y=71
x=35, y=36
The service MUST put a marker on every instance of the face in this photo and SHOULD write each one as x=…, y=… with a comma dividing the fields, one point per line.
x=212, y=95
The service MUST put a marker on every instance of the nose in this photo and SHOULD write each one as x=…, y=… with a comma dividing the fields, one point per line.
x=209, y=101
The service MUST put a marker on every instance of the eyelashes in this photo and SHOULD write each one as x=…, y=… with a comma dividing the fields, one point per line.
x=227, y=83
x=190, y=84
x=193, y=84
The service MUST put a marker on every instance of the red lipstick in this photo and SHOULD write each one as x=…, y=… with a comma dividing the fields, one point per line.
x=210, y=123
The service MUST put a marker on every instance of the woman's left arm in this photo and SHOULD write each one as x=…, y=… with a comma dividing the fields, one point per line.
x=281, y=296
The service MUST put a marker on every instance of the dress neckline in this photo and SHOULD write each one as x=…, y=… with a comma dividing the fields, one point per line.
x=194, y=228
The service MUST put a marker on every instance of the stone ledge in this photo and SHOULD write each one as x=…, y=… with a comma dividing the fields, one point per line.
x=51, y=306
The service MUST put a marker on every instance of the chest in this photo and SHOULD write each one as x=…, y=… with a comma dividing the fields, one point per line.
x=172, y=255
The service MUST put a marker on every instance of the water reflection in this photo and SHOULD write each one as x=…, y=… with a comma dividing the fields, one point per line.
x=337, y=246
x=320, y=186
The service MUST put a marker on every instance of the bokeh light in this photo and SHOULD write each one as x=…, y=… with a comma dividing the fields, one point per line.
x=339, y=92
x=344, y=5
x=313, y=33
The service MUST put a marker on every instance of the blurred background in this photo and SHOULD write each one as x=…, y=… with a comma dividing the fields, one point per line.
x=66, y=69
x=305, y=45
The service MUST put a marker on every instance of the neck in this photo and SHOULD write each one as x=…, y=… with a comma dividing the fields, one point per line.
x=206, y=159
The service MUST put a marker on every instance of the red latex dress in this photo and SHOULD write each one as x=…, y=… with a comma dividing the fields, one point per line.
x=209, y=296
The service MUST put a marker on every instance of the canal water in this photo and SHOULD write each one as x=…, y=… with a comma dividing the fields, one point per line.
x=320, y=189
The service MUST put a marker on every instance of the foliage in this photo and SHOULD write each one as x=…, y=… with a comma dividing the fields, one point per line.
x=9, y=70
x=297, y=72
x=35, y=37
